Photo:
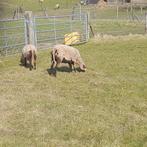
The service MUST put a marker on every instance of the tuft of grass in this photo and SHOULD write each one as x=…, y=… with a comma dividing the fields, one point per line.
x=105, y=106
x=110, y=38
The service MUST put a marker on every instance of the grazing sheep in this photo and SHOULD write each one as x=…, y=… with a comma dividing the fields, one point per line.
x=29, y=56
x=66, y=54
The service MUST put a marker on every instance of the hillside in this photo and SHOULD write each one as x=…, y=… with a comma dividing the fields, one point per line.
x=7, y=7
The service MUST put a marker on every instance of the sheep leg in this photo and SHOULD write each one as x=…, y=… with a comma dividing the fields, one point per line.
x=70, y=66
x=30, y=64
x=35, y=57
x=74, y=67
x=53, y=68
x=25, y=62
x=53, y=65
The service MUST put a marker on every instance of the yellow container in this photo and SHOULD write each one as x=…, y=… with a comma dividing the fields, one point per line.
x=71, y=38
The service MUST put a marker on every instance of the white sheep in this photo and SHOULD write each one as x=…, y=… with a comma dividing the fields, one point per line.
x=29, y=56
x=66, y=54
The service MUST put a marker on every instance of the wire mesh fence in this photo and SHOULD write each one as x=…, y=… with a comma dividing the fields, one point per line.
x=118, y=19
x=52, y=30
x=120, y=12
x=12, y=36
x=41, y=31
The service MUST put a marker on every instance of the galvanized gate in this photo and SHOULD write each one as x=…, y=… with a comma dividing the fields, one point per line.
x=52, y=30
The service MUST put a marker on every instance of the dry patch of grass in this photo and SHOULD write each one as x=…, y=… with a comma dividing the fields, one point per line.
x=105, y=38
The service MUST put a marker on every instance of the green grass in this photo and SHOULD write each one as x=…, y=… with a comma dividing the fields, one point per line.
x=7, y=7
x=105, y=106
x=117, y=27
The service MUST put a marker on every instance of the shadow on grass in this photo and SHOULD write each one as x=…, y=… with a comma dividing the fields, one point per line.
x=27, y=66
x=53, y=72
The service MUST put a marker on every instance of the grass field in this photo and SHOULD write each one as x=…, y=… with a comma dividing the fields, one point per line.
x=117, y=27
x=104, y=107
x=7, y=7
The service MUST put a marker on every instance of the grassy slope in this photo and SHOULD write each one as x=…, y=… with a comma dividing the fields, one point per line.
x=7, y=7
x=117, y=27
x=34, y=4
x=106, y=106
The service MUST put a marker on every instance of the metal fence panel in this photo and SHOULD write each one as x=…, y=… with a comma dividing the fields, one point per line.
x=12, y=36
x=51, y=30
x=48, y=31
x=117, y=19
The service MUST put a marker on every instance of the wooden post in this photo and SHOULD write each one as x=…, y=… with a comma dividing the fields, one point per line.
x=91, y=29
x=30, y=32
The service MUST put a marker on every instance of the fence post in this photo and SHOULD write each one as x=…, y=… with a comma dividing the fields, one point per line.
x=145, y=22
x=87, y=26
x=80, y=11
x=30, y=32
x=55, y=33
x=6, y=42
x=117, y=9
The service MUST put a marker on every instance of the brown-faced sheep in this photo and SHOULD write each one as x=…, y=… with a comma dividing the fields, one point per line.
x=29, y=56
x=66, y=54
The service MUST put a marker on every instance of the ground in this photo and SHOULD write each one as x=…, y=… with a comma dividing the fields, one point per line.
x=105, y=106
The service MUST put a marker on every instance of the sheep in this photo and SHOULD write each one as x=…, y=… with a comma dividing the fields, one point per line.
x=29, y=56
x=66, y=54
